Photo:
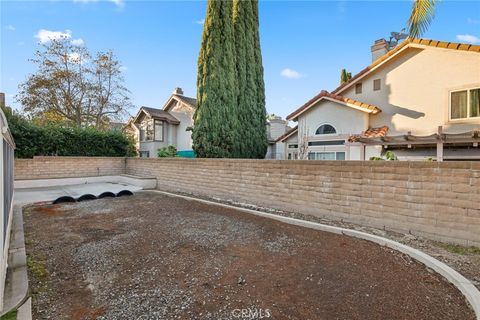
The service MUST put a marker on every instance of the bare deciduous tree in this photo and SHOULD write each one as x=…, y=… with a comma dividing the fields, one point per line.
x=71, y=85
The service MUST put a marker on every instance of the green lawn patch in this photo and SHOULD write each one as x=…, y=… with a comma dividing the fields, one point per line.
x=12, y=315
x=462, y=250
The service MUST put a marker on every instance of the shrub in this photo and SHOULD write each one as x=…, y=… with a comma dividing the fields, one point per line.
x=55, y=140
x=389, y=155
x=167, y=152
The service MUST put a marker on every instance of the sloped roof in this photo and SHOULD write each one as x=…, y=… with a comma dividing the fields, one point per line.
x=365, y=107
x=287, y=134
x=178, y=97
x=190, y=101
x=416, y=43
x=405, y=44
x=369, y=133
x=159, y=114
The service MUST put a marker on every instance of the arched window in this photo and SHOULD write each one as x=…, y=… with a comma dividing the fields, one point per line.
x=326, y=129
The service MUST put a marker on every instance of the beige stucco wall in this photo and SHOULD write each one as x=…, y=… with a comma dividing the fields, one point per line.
x=345, y=120
x=415, y=87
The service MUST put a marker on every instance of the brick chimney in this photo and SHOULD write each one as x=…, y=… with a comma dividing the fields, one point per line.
x=379, y=48
x=178, y=91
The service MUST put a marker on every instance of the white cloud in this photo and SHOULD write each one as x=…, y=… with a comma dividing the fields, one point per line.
x=473, y=21
x=45, y=36
x=78, y=42
x=291, y=74
x=468, y=38
x=118, y=3
x=202, y=21
x=76, y=58
x=11, y=28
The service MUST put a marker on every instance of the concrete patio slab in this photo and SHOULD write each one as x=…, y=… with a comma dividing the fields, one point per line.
x=31, y=195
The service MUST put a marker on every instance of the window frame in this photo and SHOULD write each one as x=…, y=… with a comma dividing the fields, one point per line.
x=162, y=124
x=358, y=85
x=147, y=153
x=379, y=81
x=468, y=104
x=315, y=153
x=326, y=134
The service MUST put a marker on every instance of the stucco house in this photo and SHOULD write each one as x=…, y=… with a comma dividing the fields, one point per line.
x=419, y=99
x=158, y=128
x=276, y=127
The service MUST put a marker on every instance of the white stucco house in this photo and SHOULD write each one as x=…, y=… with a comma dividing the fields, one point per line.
x=421, y=100
x=157, y=128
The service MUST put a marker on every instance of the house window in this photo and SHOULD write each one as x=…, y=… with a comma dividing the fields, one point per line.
x=146, y=131
x=465, y=104
x=358, y=88
x=144, y=154
x=326, y=155
x=376, y=84
x=158, y=130
x=327, y=143
x=293, y=146
x=326, y=129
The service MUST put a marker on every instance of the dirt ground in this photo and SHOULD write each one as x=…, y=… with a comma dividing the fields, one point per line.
x=150, y=256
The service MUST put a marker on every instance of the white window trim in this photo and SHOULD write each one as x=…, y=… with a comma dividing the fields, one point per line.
x=334, y=152
x=468, y=105
x=326, y=134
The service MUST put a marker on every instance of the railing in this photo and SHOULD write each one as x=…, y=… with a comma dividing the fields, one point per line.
x=7, y=147
x=7, y=158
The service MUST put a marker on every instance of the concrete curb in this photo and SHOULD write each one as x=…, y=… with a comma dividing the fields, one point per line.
x=25, y=311
x=471, y=293
x=16, y=292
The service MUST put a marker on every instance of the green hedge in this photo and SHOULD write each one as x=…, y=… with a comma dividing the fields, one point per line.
x=52, y=140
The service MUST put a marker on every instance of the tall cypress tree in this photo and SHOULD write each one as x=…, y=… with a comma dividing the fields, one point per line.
x=260, y=110
x=216, y=123
x=250, y=86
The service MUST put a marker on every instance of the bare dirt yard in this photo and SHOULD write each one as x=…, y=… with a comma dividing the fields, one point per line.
x=150, y=256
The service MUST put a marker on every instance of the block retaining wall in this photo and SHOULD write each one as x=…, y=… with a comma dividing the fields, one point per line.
x=68, y=167
x=438, y=200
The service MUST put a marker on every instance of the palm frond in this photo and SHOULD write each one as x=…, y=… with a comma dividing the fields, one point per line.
x=422, y=15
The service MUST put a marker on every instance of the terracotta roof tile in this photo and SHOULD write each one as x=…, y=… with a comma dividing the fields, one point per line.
x=369, y=133
x=365, y=106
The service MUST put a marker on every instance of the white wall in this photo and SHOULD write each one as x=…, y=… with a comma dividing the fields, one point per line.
x=345, y=120
x=183, y=137
x=415, y=87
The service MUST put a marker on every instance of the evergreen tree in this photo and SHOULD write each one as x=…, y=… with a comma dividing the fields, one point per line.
x=260, y=114
x=345, y=76
x=250, y=88
x=216, y=123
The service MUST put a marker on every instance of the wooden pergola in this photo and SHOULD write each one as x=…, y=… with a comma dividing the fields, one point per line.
x=439, y=139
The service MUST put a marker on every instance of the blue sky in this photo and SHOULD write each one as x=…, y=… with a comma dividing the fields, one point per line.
x=304, y=44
